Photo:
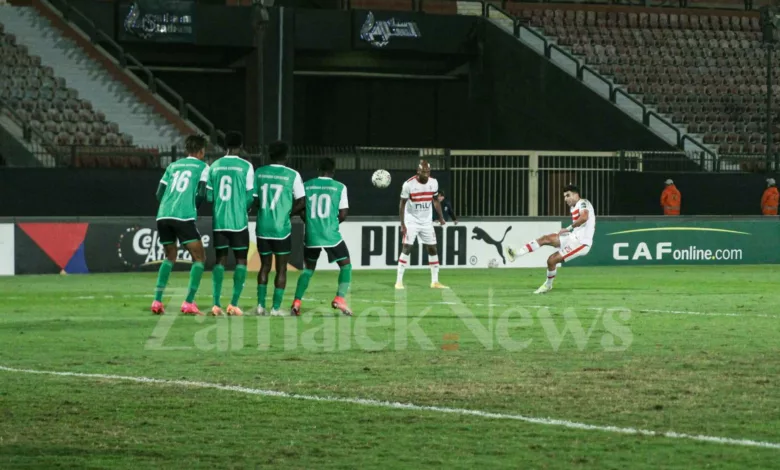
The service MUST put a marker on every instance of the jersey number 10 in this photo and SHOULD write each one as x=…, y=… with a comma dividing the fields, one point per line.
x=320, y=206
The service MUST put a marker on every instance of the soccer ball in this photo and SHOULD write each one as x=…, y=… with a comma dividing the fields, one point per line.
x=381, y=179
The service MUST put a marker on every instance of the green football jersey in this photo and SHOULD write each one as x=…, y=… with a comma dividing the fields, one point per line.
x=181, y=179
x=231, y=186
x=276, y=188
x=324, y=197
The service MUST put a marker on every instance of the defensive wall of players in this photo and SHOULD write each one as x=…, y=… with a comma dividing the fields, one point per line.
x=80, y=246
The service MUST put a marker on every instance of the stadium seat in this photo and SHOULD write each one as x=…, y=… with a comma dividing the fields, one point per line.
x=56, y=111
x=712, y=59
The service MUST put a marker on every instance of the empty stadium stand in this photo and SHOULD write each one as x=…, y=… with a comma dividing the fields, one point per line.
x=705, y=70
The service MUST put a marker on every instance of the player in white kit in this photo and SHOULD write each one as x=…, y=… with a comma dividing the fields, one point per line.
x=418, y=197
x=572, y=242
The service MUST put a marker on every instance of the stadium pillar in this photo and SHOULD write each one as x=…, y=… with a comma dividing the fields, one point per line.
x=769, y=120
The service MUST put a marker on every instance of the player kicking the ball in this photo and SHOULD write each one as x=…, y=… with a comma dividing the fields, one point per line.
x=181, y=190
x=572, y=242
x=326, y=208
x=418, y=195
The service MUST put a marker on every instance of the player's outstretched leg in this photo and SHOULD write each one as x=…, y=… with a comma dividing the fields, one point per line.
x=217, y=275
x=196, y=273
x=552, y=270
x=162, y=277
x=345, y=278
x=302, y=285
x=403, y=262
x=239, y=278
x=547, y=240
x=433, y=261
x=280, y=283
x=262, y=282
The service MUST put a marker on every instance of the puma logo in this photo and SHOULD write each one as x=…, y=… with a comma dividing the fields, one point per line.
x=480, y=234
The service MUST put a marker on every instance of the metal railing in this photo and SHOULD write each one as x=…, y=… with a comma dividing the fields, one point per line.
x=99, y=38
x=510, y=183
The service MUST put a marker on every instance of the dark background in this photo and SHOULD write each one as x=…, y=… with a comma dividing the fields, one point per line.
x=109, y=192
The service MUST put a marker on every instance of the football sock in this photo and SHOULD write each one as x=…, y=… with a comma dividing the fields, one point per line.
x=162, y=279
x=239, y=276
x=551, y=277
x=303, y=283
x=533, y=245
x=433, y=261
x=262, y=292
x=345, y=278
x=217, y=274
x=278, y=297
x=195, y=274
x=403, y=261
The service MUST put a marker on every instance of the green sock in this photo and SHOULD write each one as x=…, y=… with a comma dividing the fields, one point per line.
x=239, y=276
x=278, y=297
x=303, y=283
x=195, y=274
x=262, y=292
x=217, y=274
x=162, y=279
x=345, y=277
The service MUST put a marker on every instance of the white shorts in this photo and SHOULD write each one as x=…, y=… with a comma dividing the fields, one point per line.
x=571, y=247
x=424, y=232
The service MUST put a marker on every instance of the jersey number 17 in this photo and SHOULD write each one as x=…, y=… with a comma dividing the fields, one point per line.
x=277, y=190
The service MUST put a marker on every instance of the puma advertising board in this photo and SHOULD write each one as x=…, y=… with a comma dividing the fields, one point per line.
x=377, y=245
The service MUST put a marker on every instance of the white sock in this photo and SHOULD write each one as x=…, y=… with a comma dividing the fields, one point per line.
x=433, y=261
x=403, y=262
x=551, y=277
x=533, y=245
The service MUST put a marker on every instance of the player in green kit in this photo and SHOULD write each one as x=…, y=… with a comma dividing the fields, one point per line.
x=326, y=208
x=231, y=188
x=279, y=193
x=181, y=190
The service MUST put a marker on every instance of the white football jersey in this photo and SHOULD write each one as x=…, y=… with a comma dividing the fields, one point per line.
x=584, y=232
x=420, y=196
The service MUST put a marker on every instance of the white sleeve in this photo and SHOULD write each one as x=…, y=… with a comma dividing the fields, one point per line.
x=405, y=191
x=344, y=203
x=435, y=186
x=204, y=175
x=250, y=178
x=298, y=191
x=582, y=205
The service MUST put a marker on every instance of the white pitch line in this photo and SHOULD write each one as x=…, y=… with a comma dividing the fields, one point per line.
x=474, y=304
x=408, y=407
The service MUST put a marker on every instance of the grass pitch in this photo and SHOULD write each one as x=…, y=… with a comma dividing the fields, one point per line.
x=692, y=350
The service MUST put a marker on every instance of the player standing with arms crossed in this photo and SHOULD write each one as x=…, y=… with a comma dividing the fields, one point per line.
x=572, y=242
x=181, y=191
x=326, y=208
x=279, y=193
x=231, y=188
x=418, y=195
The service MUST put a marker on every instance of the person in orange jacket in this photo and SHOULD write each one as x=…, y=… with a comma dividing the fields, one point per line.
x=770, y=198
x=671, y=199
